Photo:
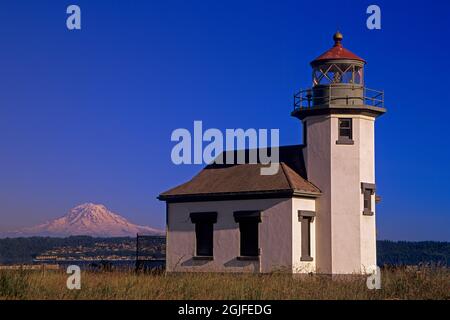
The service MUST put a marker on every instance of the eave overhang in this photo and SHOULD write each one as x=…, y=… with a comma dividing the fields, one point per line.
x=272, y=194
x=367, y=110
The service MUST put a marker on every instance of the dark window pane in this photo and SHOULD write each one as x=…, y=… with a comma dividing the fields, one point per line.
x=345, y=128
x=368, y=200
x=306, y=237
x=345, y=133
x=249, y=238
x=204, y=234
x=345, y=123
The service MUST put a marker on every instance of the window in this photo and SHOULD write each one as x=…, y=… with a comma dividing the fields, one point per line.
x=306, y=218
x=368, y=200
x=345, y=131
x=249, y=238
x=326, y=74
x=248, y=229
x=204, y=233
x=204, y=239
x=367, y=189
x=306, y=238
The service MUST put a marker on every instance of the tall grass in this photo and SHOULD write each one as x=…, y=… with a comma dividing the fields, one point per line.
x=397, y=283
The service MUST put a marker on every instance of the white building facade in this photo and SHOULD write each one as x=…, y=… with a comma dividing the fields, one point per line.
x=316, y=215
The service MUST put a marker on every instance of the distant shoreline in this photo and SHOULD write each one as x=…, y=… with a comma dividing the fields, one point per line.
x=122, y=250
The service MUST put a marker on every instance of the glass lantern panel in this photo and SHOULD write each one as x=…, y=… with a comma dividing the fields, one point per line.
x=324, y=76
x=317, y=76
x=358, y=75
x=347, y=77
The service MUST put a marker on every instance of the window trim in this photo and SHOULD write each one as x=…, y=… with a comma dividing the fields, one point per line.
x=247, y=215
x=198, y=218
x=368, y=211
x=209, y=216
x=344, y=140
x=305, y=216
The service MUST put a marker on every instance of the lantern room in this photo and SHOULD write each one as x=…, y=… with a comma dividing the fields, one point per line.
x=338, y=66
x=338, y=79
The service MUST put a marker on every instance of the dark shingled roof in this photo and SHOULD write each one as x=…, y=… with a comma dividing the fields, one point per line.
x=224, y=181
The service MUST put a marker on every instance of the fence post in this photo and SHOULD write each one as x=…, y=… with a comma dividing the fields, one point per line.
x=137, y=252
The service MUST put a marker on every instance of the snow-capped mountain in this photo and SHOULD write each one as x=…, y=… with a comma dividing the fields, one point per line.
x=87, y=219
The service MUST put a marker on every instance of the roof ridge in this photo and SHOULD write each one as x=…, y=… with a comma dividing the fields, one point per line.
x=287, y=169
x=288, y=178
x=313, y=185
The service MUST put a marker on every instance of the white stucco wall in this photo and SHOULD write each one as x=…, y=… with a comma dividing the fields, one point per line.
x=181, y=236
x=346, y=240
x=318, y=166
x=279, y=236
x=345, y=199
x=367, y=174
x=275, y=238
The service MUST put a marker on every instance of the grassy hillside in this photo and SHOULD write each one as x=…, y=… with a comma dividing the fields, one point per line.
x=397, y=283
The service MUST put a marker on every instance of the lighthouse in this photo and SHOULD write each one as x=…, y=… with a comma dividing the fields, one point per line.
x=338, y=115
x=316, y=214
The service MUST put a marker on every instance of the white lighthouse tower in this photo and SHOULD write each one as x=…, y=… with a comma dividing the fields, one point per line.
x=338, y=115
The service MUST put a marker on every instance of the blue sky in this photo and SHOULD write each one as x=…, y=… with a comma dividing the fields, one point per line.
x=87, y=115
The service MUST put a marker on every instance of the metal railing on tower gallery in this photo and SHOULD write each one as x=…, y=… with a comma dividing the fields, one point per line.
x=312, y=97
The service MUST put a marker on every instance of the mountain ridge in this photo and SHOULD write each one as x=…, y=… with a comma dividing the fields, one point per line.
x=87, y=219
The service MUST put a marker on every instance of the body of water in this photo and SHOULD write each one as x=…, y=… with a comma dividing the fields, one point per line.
x=99, y=265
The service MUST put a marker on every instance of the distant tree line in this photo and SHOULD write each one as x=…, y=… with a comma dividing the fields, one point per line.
x=413, y=253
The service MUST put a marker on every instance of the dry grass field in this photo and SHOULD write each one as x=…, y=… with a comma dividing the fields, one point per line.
x=397, y=283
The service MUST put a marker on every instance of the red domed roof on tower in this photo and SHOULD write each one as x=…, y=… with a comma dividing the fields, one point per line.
x=338, y=51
